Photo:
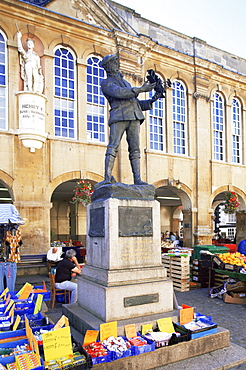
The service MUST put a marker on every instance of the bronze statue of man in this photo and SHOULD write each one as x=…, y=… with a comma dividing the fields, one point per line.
x=126, y=115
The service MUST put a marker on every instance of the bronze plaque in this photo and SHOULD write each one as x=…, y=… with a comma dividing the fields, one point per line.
x=135, y=221
x=97, y=224
x=141, y=299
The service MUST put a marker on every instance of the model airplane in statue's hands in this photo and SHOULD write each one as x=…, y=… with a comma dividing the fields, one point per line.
x=160, y=86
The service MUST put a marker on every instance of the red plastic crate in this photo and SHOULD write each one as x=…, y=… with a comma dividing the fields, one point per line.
x=232, y=247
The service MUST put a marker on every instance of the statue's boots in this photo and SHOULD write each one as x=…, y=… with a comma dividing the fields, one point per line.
x=135, y=163
x=108, y=178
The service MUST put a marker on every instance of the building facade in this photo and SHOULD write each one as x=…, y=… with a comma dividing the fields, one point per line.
x=192, y=142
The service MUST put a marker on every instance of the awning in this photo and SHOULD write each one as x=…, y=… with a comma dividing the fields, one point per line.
x=9, y=213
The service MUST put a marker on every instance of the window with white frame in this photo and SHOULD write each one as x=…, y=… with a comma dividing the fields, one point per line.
x=3, y=82
x=96, y=102
x=65, y=92
x=232, y=218
x=156, y=124
x=231, y=233
x=218, y=126
x=179, y=117
x=236, y=131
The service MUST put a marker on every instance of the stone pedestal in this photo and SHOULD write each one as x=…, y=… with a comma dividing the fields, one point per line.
x=124, y=277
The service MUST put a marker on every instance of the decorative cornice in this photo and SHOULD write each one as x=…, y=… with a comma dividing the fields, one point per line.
x=196, y=95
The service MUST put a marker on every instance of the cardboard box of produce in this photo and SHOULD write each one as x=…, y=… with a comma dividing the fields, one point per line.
x=236, y=298
x=239, y=286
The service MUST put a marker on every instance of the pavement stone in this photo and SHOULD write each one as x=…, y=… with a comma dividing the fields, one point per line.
x=227, y=315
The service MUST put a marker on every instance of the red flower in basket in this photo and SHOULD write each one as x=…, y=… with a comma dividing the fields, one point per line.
x=83, y=192
x=231, y=202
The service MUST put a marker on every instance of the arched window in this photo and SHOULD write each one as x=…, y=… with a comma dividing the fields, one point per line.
x=156, y=125
x=3, y=82
x=236, y=131
x=96, y=105
x=179, y=117
x=65, y=89
x=218, y=126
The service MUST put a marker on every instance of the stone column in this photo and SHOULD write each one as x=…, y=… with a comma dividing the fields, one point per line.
x=241, y=226
x=187, y=228
x=176, y=222
x=81, y=223
x=202, y=222
x=36, y=231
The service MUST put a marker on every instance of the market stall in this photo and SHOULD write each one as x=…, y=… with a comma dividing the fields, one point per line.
x=29, y=341
x=10, y=243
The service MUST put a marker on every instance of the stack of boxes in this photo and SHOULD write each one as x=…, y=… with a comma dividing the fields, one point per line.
x=202, y=264
x=178, y=270
x=200, y=273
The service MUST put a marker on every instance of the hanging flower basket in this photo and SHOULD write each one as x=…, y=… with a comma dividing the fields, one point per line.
x=83, y=192
x=231, y=202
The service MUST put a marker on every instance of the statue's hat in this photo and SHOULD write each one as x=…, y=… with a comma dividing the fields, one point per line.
x=107, y=58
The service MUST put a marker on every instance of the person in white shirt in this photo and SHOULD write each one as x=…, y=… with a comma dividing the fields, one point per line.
x=54, y=254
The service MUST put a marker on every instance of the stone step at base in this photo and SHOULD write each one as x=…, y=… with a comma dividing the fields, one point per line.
x=83, y=320
x=226, y=358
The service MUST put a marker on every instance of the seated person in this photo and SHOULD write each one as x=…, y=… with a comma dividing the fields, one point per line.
x=67, y=269
x=54, y=254
x=70, y=243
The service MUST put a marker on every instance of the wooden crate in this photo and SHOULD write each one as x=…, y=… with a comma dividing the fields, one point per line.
x=177, y=260
x=183, y=286
x=220, y=279
x=178, y=270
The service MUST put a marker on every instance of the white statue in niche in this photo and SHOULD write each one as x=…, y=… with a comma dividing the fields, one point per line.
x=31, y=71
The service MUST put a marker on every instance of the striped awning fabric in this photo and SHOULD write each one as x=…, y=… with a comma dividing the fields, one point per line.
x=9, y=213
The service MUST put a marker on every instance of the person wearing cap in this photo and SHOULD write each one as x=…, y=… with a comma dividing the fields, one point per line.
x=126, y=115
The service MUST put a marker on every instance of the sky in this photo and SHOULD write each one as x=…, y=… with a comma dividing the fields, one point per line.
x=221, y=23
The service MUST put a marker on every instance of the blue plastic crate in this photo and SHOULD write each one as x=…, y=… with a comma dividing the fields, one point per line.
x=149, y=347
x=3, y=306
x=5, y=325
x=45, y=327
x=116, y=356
x=13, y=334
x=212, y=327
x=34, y=320
x=61, y=298
x=4, y=316
x=101, y=359
x=21, y=307
x=46, y=295
x=203, y=333
x=32, y=297
x=10, y=359
x=113, y=355
x=24, y=308
x=15, y=298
